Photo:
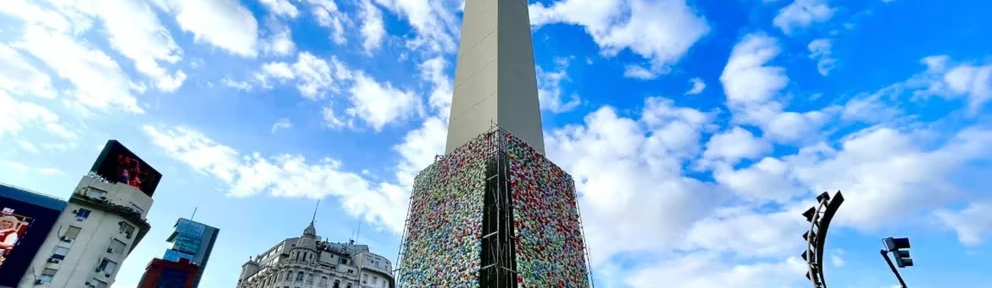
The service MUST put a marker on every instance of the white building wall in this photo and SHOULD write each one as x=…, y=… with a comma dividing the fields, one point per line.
x=96, y=233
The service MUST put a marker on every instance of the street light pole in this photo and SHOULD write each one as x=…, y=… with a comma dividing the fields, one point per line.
x=885, y=254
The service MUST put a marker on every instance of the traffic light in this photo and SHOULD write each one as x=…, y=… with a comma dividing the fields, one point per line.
x=900, y=251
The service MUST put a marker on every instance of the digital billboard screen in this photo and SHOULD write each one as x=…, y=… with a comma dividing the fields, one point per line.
x=117, y=164
x=24, y=225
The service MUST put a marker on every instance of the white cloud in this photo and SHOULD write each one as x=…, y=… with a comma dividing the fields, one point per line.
x=69, y=21
x=17, y=76
x=222, y=23
x=314, y=76
x=240, y=85
x=279, y=41
x=976, y=82
x=628, y=172
x=18, y=116
x=99, y=81
x=373, y=29
x=972, y=224
x=660, y=31
x=945, y=78
x=550, y=91
x=247, y=174
x=734, y=145
x=434, y=21
x=282, y=124
x=819, y=50
x=50, y=171
x=379, y=104
x=329, y=16
x=697, y=86
x=746, y=79
x=801, y=14
x=281, y=8
x=707, y=270
x=27, y=146
x=836, y=260
x=134, y=30
x=15, y=165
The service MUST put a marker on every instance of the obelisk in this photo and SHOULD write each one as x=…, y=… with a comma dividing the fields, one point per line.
x=493, y=211
x=495, y=81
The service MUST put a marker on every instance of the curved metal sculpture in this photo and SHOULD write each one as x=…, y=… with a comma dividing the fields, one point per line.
x=819, y=217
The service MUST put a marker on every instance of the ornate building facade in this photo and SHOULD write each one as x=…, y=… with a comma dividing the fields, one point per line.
x=308, y=262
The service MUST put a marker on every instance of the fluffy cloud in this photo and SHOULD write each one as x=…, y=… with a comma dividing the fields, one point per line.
x=281, y=8
x=222, y=23
x=819, y=50
x=19, y=114
x=379, y=104
x=660, y=31
x=801, y=14
x=434, y=21
x=99, y=81
x=314, y=76
x=697, y=86
x=328, y=16
x=373, y=28
x=550, y=90
x=18, y=76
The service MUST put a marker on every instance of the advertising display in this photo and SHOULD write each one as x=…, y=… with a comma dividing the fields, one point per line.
x=25, y=221
x=117, y=164
x=12, y=228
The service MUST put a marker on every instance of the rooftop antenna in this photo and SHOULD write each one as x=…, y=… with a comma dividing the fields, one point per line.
x=357, y=233
x=194, y=213
x=314, y=218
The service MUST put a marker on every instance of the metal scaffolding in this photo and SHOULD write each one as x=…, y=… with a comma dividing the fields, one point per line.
x=498, y=257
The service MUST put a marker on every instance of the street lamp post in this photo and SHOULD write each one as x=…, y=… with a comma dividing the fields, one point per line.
x=899, y=247
x=819, y=217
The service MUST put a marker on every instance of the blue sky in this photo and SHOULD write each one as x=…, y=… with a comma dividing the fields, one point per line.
x=697, y=131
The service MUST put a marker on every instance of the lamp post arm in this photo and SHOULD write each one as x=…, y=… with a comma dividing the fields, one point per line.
x=893, y=267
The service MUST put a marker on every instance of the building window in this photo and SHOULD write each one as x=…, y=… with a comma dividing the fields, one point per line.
x=46, y=275
x=351, y=271
x=299, y=276
x=289, y=275
x=126, y=229
x=323, y=281
x=60, y=252
x=375, y=280
x=82, y=214
x=107, y=266
x=349, y=285
x=337, y=284
x=96, y=283
x=116, y=246
x=71, y=233
x=310, y=278
x=365, y=279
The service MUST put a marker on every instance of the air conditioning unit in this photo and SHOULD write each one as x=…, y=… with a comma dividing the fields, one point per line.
x=65, y=239
x=109, y=250
x=38, y=282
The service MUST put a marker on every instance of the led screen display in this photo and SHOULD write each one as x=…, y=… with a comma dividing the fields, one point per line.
x=25, y=221
x=117, y=164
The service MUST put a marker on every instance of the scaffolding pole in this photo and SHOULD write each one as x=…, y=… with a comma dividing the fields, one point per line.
x=585, y=244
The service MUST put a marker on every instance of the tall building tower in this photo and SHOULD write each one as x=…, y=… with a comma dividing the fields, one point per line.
x=192, y=241
x=169, y=274
x=101, y=224
x=493, y=211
